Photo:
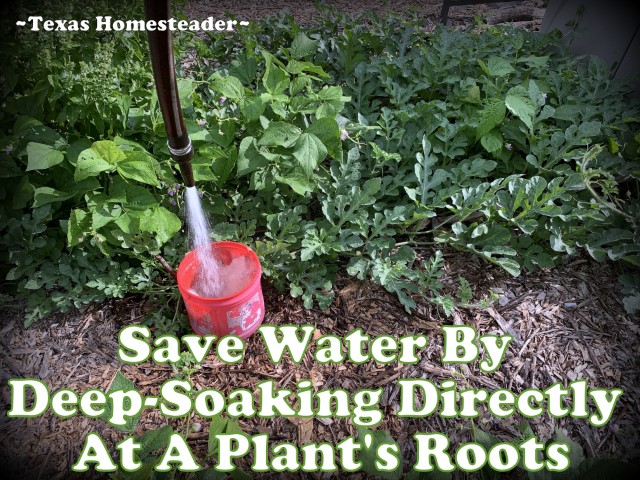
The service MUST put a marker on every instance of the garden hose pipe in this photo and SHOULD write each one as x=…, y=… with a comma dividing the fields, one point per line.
x=164, y=74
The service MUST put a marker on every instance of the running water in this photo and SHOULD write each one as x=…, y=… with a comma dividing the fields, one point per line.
x=216, y=278
x=208, y=281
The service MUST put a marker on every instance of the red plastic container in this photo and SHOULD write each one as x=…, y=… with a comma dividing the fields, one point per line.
x=240, y=313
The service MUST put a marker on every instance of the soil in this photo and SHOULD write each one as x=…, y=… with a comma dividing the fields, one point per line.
x=569, y=324
x=526, y=14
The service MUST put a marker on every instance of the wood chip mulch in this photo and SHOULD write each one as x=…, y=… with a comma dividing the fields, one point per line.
x=569, y=324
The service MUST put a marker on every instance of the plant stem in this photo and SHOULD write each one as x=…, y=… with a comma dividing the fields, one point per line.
x=603, y=202
x=418, y=244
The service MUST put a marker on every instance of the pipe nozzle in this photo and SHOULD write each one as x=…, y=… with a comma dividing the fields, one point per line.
x=182, y=156
x=164, y=74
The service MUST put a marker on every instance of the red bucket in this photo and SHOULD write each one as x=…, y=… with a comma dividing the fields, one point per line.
x=239, y=313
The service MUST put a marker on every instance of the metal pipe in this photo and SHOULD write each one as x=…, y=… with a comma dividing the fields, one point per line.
x=164, y=74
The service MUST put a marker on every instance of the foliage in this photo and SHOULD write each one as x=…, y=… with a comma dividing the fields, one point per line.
x=353, y=145
x=580, y=467
x=371, y=441
x=153, y=442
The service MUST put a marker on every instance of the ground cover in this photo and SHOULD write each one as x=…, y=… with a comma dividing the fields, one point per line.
x=438, y=177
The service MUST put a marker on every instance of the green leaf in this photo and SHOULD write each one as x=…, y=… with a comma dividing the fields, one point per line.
x=74, y=150
x=589, y=129
x=197, y=134
x=153, y=440
x=576, y=455
x=575, y=182
x=249, y=158
x=302, y=46
x=78, y=224
x=223, y=133
x=519, y=103
x=534, y=61
x=145, y=472
x=509, y=265
x=472, y=94
x=202, y=169
x=186, y=87
x=491, y=116
x=239, y=474
x=222, y=426
x=228, y=86
x=298, y=180
x=244, y=68
x=331, y=93
x=41, y=157
x=129, y=222
x=201, y=164
x=135, y=196
x=216, y=427
x=568, y=112
x=140, y=167
x=297, y=67
x=327, y=130
x=127, y=145
x=108, y=151
x=91, y=164
x=372, y=186
x=309, y=151
x=492, y=141
x=465, y=293
x=32, y=130
x=368, y=455
x=252, y=108
x=44, y=195
x=223, y=165
x=298, y=84
x=275, y=79
x=280, y=134
x=120, y=383
x=104, y=214
x=487, y=441
x=162, y=222
x=499, y=67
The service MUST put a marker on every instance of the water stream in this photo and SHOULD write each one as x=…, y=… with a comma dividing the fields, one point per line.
x=208, y=281
x=220, y=274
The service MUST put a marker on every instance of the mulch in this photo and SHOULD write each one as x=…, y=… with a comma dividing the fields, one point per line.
x=569, y=322
x=524, y=13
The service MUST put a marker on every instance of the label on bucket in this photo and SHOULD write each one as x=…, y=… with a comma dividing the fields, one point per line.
x=244, y=317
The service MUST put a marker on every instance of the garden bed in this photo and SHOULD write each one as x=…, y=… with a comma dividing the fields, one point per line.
x=348, y=159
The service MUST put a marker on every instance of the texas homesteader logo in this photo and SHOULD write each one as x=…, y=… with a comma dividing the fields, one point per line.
x=108, y=24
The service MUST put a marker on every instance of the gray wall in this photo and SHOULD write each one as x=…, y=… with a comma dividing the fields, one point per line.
x=609, y=29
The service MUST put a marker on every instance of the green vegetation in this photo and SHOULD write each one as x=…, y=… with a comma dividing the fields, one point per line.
x=352, y=146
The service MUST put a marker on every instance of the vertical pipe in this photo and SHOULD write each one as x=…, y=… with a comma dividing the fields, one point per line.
x=164, y=74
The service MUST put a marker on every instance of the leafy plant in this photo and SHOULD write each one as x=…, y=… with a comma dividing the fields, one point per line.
x=372, y=440
x=579, y=467
x=361, y=146
x=219, y=426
